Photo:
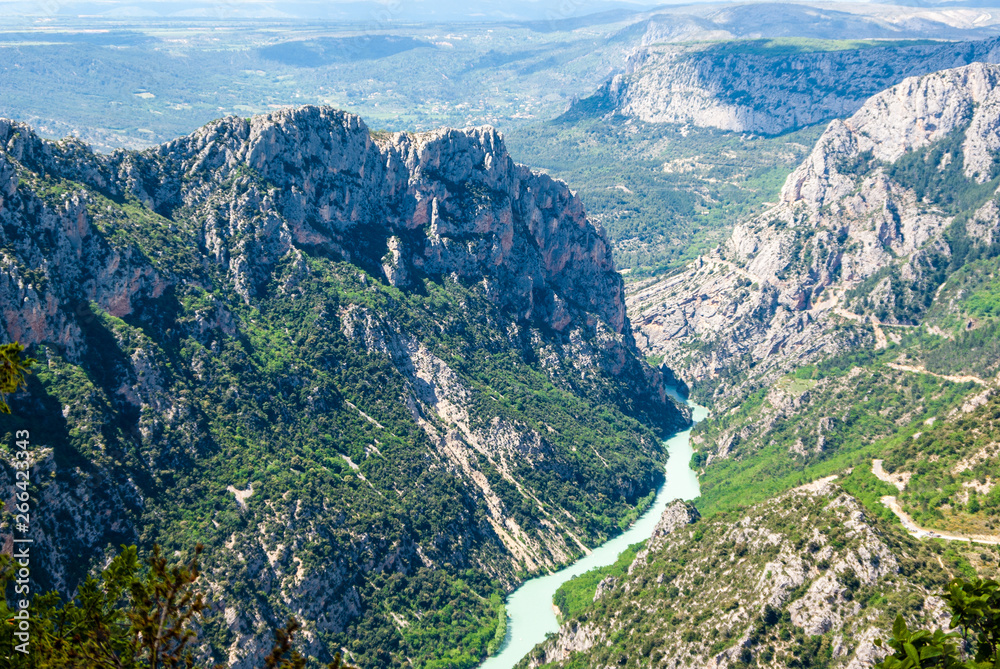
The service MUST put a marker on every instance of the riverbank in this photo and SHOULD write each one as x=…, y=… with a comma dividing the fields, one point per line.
x=530, y=612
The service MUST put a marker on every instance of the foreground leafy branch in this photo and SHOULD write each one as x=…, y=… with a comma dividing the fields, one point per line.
x=973, y=643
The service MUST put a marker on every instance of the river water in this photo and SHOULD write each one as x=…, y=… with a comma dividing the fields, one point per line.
x=529, y=608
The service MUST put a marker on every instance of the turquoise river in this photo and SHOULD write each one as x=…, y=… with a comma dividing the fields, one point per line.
x=530, y=615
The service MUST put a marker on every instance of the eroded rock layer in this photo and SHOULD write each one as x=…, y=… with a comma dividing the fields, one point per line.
x=356, y=366
x=888, y=204
x=766, y=86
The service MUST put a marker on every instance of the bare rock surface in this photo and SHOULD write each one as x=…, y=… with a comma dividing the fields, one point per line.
x=295, y=298
x=721, y=591
x=851, y=245
x=758, y=87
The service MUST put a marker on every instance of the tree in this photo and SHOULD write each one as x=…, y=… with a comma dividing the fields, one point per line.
x=121, y=620
x=975, y=607
x=12, y=370
x=128, y=620
x=283, y=656
x=920, y=649
x=975, y=610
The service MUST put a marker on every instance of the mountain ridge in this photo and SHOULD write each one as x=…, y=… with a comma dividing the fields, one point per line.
x=768, y=86
x=371, y=373
x=794, y=595
x=796, y=277
x=845, y=336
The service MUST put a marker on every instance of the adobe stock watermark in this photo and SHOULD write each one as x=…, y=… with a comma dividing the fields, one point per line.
x=21, y=620
x=565, y=10
x=48, y=8
x=379, y=19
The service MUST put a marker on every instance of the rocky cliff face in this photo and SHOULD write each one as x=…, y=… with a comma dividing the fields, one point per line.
x=808, y=578
x=890, y=202
x=445, y=202
x=883, y=248
x=351, y=364
x=768, y=87
x=692, y=23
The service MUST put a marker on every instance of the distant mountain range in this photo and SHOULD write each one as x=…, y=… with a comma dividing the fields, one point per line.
x=770, y=85
x=680, y=21
x=376, y=13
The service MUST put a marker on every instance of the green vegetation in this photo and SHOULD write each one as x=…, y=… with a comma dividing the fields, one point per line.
x=270, y=408
x=953, y=464
x=741, y=583
x=129, y=618
x=868, y=489
x=633, y=514
x=960, y=332
x=850, y=415
x=501, y=630
x=916, y=423
x=937, y=439
x=665, y=194
x=13, y=367
x=936, y=175
x=845, y=411
x=577, y=594
x=282, y=355
x=837, y=416
x=974, y=643
x=787, y=46
x=143, y=86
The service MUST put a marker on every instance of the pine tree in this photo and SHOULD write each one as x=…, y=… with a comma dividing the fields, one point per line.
x=128, y=620
x=12, y=370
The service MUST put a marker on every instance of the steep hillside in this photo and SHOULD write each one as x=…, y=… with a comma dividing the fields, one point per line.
x=769, y=85
x=381, y=377
x=849, y=332
x=833, y=329
x=921, y=446
x=664, y=193
x=807, y=579
x=890, y=204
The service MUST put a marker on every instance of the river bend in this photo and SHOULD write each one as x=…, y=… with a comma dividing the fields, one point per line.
x=530, y=615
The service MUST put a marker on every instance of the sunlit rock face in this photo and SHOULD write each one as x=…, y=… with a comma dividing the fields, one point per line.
x=322, y=350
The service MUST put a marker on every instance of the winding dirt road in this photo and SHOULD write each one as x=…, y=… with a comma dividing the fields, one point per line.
x=947, y=377
x=921, y=532
x=914, y=529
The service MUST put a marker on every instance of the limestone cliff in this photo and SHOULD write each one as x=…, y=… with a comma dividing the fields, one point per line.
x=768, y=87
x=809, y=578
x=890, y=201
x=351, y=363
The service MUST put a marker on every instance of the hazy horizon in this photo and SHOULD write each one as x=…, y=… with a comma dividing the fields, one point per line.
x=384, y=12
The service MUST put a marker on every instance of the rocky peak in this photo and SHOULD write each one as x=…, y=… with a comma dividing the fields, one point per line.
x=847, y=205
x=447, y=202
x=909, y=116
x=862, y=231
x=678, y=514
x=436, y=203
x=750, y=586
x=393, y=341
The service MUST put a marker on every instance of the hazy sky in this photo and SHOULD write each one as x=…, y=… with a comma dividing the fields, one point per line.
x=404, y=10
x=384, y=12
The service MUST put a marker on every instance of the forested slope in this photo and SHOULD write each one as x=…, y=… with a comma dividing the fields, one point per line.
x=380, y=377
